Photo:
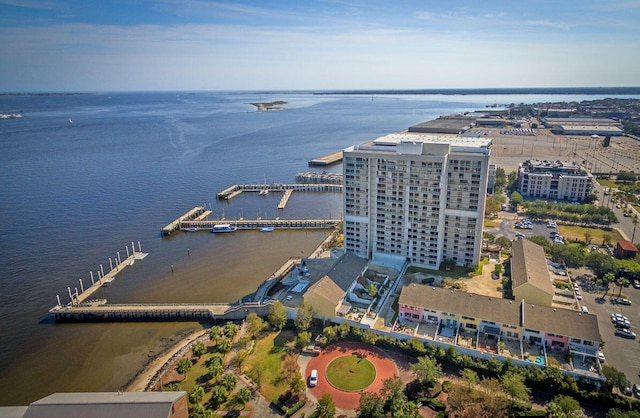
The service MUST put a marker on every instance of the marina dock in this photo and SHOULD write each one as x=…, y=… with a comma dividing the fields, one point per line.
x=232, y=191
x=327, y=160
x=116, y=265
x=98, y=311
x=197, y=213
x=247, y=224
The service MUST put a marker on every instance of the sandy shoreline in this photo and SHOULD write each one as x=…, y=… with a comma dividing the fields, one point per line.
x=151, y=370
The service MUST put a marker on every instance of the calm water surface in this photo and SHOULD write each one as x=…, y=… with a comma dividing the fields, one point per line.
x=84, y=175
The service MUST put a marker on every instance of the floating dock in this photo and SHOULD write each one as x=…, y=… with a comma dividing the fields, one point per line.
x=197, y=213
x=327, y=160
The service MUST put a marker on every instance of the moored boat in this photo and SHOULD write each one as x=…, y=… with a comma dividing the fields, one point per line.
x=266, y=229
x=223, y=228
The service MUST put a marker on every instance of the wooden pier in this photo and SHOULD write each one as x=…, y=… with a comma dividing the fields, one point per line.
x=236, y=189
x=116, y=265
x=285, y=198
x=197, y=213
x=326, y=160
x=247, y=224
x=100, y=311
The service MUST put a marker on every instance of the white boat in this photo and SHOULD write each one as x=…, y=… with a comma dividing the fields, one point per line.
x=266, y=229
x=192, y=229
x=223, y=228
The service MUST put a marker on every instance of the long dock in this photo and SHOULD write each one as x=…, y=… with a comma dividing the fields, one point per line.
x=101, y=311
x=199, y=212
x=116, y=265
x=326, y=160
x=246, y=224
x=236, y=189
x=285, y=199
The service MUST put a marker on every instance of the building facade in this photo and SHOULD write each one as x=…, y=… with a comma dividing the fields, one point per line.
x=554, y=180
x=416, y=197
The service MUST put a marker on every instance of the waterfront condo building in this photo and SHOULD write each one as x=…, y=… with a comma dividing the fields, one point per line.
x=416, y=197
x=560, y=180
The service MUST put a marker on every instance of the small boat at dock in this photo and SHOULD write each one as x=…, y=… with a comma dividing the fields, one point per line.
x=266, y=229
x=192, y=229
x=221, y=228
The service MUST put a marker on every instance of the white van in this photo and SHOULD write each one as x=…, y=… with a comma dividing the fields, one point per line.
x=584, y=309
x=313, y=378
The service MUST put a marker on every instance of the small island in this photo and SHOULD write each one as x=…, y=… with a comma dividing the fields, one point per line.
x=269, y=105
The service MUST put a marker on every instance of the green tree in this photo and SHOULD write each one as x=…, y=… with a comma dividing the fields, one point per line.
x=326, y=408
x=214, y=333
x=230, y=330
x=564, y=407
x=622, y=282
x=470, y=377
x=511, y=180
x=183, y=367
x=199, y=411
x=615, y=378
x=427, y=370
x=303, y=338
x=504, y=242
x=372, y=289
x=219, y=395
x=223, y=345
x=371, y=406
x=215, y=369
x=303, y=317
x=196, y=394
x=229, y=381
x=198, y=349
x=600, y=263
x=516, y=199
x=254, y=324
x=277, y=315
x=501, y=177
x=513, y=385
x=392, y=390
x=243, y=396
x=297, y=384
x=606, y=280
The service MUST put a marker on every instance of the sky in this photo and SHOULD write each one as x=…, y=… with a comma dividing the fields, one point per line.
x=149, y=45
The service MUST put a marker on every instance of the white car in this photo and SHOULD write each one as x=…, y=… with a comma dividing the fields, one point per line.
x=601, y=356
x=578, y=295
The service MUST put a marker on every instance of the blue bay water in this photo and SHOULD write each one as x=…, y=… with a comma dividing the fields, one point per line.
x=82, y=176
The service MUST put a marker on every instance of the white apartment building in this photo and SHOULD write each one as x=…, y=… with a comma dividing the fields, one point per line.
x=417, y=197
x=554, y=180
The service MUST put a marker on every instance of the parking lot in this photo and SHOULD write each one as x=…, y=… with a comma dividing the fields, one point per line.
x=621, y=353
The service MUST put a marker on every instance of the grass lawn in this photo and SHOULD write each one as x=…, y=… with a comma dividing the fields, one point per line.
x=492, y=223
x=351, y=373
x=608, y=183
x=264, y=364
x=577, y=233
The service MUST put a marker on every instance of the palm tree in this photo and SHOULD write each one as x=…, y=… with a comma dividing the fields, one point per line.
x=184, y=365
x=196, y=394
x=621, y=281
x=607, y=279
x=243, y=396
x=229, y=381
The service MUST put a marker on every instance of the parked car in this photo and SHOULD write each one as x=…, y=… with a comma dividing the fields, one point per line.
x=636, y=390
x=519, y=235
x=601, y=356
x=578, y=295
x=625, y=333
x=552, y=224
x=618, y=317
x=313, y=378
x=622, y=301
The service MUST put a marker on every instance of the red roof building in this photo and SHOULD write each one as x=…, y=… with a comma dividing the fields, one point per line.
x=625, y=249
